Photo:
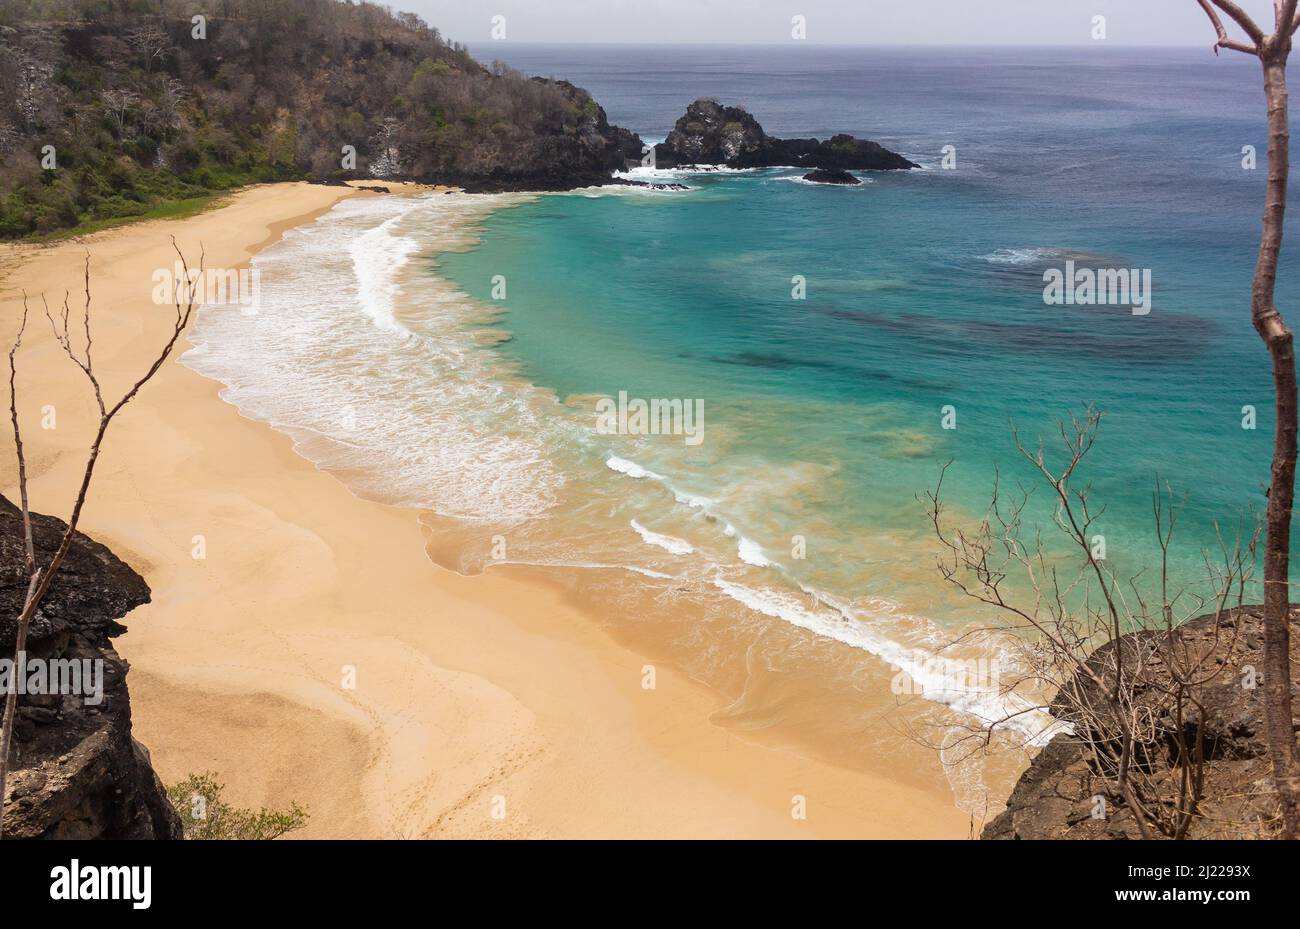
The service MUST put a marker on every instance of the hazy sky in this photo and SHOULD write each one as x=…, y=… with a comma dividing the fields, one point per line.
x=864, y=22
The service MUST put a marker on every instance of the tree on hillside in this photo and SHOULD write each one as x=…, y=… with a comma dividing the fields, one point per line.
x=1273, y=50
x=150, y=43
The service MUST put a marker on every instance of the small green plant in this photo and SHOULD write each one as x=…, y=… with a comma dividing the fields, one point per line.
x=205, y=816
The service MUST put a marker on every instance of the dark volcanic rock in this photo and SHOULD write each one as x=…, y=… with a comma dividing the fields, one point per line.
x=830, y=176
x=568, y=155
x=1054, y=797
x=656, y=185
x=77, y=772
x=712, y=134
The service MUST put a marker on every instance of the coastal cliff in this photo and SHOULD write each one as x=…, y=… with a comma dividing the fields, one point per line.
x=581, y=152
x=77, y=771
x=1055, y=797
x=710, y=133
x=111, y=112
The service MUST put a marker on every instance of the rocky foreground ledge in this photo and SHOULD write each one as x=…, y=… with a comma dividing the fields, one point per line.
x=77, y=772
x=712, y=134
x=1054, y=798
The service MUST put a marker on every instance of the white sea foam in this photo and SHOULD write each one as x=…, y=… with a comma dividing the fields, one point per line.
x=667, y=542
x=640, y=189
x=634, y=470
x=905, y=642
x=694, y=501
x=631, y=469
x=751, y=552
x=932, y=674
x=373, y=370
x=1022, y=256
x=377, y=255
x=664, y=175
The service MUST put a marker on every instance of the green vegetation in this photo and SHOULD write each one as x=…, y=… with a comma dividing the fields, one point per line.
x=112, y=110
x=205, y=816
x=166, y=209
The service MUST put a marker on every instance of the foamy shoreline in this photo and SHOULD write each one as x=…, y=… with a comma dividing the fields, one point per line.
x=468, y=689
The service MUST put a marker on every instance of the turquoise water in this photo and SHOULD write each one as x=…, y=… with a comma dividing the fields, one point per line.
x=923, y=290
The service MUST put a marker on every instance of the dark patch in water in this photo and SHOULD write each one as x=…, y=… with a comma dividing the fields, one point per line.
x=1095, y=331
x=757, y=360
x=772, y=361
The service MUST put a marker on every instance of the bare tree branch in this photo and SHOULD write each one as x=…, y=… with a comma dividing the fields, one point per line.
x=1285, y=15
x=41, y=576
x=1242, y=19
x=1224, y=40
x=1117, y=667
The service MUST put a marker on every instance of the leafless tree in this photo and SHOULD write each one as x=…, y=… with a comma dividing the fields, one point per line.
x=1108, y=660
x=78, y=348
x=119, y=104
x=170, y=101
x=150, y=43
x=1273, y=50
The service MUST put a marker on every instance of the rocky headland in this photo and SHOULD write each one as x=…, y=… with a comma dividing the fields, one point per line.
x=710, y=133
x=581, y=152
x=333, y=92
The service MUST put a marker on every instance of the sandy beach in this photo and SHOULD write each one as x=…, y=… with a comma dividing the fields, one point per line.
x=315, y=654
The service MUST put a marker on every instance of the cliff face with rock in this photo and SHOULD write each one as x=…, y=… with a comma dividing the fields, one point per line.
x=712, y=134
x=1054, y=798
x=76, y=771
x=141, y=111
x=577, y=148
